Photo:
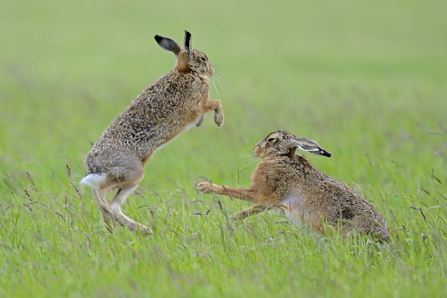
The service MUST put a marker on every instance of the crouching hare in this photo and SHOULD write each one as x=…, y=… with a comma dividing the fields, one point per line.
x=288, y=181
x=167, y=107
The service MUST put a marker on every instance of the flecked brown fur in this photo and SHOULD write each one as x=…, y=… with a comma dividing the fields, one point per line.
x=167, y=107
x=288, y=181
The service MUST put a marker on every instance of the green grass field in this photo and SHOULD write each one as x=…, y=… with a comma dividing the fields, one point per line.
x=367, y=80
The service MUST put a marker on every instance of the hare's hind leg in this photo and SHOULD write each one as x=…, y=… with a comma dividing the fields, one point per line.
x=118, y=201
x=103, y=206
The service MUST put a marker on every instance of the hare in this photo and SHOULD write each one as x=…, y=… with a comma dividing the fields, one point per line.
x=288, y=181
x=170, y=105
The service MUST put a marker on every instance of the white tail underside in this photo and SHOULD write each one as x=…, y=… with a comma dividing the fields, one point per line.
x=93, y=179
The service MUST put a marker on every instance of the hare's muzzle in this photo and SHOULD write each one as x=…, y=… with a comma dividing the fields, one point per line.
x=257, y=150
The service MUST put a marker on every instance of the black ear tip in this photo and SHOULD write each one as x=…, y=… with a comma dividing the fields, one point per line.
x=187, y=43
x=158, y=38
x=324, y=153
x=187, y=36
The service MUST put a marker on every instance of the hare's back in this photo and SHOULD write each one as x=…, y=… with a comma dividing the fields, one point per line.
x=349, y=206
x=157, y=115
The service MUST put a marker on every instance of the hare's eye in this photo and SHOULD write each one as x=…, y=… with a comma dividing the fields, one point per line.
x=270, y=139
x=203, y=59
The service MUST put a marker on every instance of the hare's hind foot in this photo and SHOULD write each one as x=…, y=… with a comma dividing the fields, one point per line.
x=122, y=219
x=132, y=225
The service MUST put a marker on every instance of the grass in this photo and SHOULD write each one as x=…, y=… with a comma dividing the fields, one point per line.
x=367, y=81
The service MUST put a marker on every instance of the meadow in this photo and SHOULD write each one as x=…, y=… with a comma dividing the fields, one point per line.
x=368, y=81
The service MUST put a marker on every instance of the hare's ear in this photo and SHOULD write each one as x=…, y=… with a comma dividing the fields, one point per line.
x=167, y=44
x=309, y=146
x=188, y=44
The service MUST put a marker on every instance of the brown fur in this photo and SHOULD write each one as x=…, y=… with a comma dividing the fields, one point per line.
x=168, y=106
x=288, y=181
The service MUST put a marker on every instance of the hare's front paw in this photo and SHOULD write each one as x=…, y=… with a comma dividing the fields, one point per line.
x=200, y=120
x=205, y=187
x=218, y=118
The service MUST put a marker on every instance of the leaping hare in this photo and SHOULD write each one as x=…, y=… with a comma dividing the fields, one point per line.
x=170, y=105
x=288, y=181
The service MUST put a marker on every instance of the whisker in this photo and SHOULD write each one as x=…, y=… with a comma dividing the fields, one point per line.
x=215, y=88
x=221, y=76
x=247, y=165
x=221, y=81
x=218, y=79
x=249, y=161
x=220, y=84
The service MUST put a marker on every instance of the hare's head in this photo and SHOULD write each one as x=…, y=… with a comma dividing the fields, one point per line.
x=285, y=143
x=188, y=59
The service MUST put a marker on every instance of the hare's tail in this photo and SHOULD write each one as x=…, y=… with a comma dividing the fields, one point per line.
x=93, y=179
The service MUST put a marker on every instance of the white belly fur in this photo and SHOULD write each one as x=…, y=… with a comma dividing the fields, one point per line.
x=294, y=210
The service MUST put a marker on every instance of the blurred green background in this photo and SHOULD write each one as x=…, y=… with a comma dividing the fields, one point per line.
x=350, y=75
x=367, y=80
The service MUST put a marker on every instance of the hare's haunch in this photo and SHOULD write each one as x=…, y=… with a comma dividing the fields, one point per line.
x=172, y=104
x=288, y=181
